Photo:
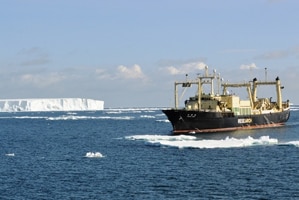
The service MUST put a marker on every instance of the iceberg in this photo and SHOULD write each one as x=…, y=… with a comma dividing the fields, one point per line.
x=51, y=104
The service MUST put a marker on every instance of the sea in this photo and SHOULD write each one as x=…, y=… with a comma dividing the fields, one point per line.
x=130, y=153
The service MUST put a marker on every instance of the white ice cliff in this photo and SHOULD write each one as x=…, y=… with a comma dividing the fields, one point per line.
x=57, y=104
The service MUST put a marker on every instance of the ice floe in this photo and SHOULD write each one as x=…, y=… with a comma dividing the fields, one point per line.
x=94, y=155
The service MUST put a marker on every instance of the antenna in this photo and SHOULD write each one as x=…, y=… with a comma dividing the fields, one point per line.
x=214, y=71
x=206, y=69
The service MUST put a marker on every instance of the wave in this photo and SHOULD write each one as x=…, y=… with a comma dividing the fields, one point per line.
x=72, y=117
x=114, y=112
x=23, y=117
x=89, y=117
x=163, y=120
x=131, y=110
x=147, y=116
x=71, y=113
x=294, y=107
x=134, y=109
x=294, y=143
x=185, y=141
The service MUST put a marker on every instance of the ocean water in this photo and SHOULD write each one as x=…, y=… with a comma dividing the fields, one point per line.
x=130, y=154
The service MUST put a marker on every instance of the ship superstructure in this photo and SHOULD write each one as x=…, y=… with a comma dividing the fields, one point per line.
x=210, y=112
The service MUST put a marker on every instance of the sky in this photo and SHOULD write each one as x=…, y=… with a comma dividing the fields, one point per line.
x=129, y=53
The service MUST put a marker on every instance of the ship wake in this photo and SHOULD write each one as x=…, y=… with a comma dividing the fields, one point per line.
x=185, y=141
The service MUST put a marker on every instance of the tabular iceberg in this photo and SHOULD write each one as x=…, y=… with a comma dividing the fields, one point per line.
x=52, y=104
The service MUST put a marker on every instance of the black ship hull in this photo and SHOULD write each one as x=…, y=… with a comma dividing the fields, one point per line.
x=187, y=122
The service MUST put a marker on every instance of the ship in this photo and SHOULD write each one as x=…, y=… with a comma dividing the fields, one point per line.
x=210, y=112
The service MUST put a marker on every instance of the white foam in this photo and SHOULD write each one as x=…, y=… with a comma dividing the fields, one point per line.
x=71, y=113
x=294, y=107
x=132, y=110
x=114, y=112
x=147, y=116
x=185, y=141
x=163, y=120
x=149, y=111
x=295, y=143
x=52, y=104
x=70, y=117
x=28, y=117
x=94, y=155
x=160, y=137
x=118, y=118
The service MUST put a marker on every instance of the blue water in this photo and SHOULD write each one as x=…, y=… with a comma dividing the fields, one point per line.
x=45, y=156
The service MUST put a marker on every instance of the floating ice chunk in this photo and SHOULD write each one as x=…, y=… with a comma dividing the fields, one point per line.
x=94, y=155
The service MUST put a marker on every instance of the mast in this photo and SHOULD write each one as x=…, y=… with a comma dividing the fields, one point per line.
x=199, y=91
x=250, y=96
x=176, y=98
x=278, y=91
x=254, y=89
x=204, y=79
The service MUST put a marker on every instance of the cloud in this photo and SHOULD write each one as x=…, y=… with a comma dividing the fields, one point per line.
x=103, y=74
x=173, y=70
x=274, y=55
x=229, y=51
x=279, y=54
x=42, y=80
x=185, y=68
x=134, y=72
x=33, y=56
x=121, y=72
x=250, y=66
x=30, y=51
x=36, y=61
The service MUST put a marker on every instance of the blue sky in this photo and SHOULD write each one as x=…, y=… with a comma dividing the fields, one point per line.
x=129, y=53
